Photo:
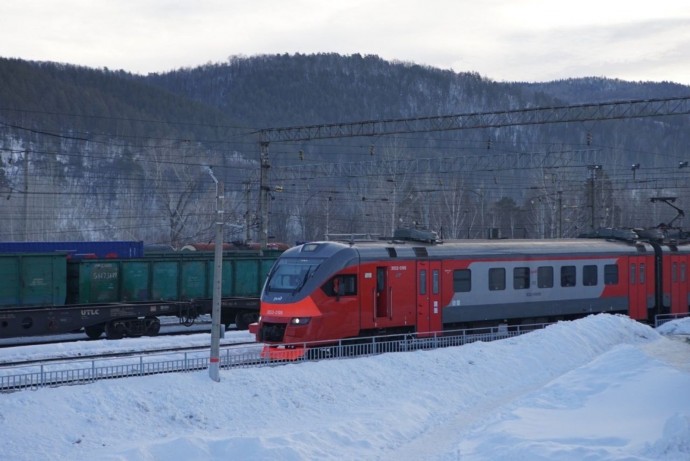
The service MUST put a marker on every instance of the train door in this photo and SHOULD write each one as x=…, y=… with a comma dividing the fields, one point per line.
x=428, y=296
x=637, y=283
x=387, y=296
x=679, y=283
x=382, y=294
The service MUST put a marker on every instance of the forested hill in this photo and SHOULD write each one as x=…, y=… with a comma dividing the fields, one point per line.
x=276, y=91
x=62, y=98
x=288, y=90
x=594, y=90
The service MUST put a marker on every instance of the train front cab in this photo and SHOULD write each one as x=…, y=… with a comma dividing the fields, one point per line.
x=310, y=295
x=361, y=292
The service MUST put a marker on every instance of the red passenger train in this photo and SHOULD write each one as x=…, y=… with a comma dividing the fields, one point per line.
x=323, y=291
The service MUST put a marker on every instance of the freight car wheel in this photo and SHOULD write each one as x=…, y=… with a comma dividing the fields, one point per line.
x=94, y=331
x=115, y=330
x=153, y=326
x=243, y=319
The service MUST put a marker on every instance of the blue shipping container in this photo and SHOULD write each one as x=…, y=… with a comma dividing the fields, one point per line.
x=115, y=249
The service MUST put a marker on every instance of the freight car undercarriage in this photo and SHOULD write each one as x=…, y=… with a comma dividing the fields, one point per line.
x=118, y=320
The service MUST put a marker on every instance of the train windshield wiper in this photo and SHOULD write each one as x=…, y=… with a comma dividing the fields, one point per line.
x=309, y=272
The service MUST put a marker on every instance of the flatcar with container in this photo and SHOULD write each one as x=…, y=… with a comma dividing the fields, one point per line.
x=79, y=249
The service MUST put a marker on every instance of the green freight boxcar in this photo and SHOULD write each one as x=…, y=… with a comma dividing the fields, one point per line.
x=51, y=293
x=174, y=277
x=34, y=279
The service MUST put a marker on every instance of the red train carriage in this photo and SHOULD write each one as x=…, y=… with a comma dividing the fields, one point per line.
x=673, y=278
x=324, y=291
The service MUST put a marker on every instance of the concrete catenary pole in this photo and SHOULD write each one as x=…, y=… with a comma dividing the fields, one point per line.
x=214, y=360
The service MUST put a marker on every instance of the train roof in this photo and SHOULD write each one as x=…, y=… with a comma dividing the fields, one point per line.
x=381, y=249
x=487, y=248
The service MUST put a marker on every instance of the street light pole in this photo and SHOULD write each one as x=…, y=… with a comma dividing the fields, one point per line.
x=214, y=360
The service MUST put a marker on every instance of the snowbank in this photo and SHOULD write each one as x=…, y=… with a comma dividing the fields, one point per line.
x=601, y=388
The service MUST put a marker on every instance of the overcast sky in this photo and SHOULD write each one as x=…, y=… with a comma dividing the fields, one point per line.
x=504, y=40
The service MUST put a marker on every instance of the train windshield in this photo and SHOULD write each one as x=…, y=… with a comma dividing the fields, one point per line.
x=290, y=274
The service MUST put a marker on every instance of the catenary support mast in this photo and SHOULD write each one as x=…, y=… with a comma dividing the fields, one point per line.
x=617, y=110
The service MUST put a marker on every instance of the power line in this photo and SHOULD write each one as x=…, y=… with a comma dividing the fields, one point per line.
x=533, y=116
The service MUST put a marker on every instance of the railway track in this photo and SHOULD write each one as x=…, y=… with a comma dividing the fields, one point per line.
x=169, y=329
x=33, y=373
x=76, y=347
x=112, y=355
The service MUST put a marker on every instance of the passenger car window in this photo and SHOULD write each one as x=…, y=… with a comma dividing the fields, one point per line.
x=545, y=277
x=568, y=276
x=589, y=275
x=610, y=274
x=462, y=280
x=521, y=278
x=497, y=279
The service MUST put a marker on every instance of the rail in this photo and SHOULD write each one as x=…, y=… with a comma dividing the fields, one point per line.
x=71, y=372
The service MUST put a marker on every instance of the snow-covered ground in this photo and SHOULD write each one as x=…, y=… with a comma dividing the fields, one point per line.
x=601, y=388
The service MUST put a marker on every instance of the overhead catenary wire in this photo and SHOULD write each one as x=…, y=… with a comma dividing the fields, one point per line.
x=364, y=149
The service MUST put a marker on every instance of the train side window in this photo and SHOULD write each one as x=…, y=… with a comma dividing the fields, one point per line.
x=643, y=275
x=422, y=282
x=610, y=274
x=589, y=275
x=520, y=278
x=674, y=273
x=380, y=279
x=633, y=277
x=545, y=277
x=349, y=283
x=462, y=280
x=568, y=276
x=341, y=285
x=497, y=279
x=683, y=272
x=434, y=282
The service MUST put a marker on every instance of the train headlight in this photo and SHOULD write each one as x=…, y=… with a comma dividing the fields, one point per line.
x=300, y=320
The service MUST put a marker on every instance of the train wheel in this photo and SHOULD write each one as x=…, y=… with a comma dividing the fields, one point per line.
x=94, y=331
x=153, y=326
x=243, y=319
x=115, y=330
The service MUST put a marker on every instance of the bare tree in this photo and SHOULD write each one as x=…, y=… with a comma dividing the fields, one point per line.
x=181, y=191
